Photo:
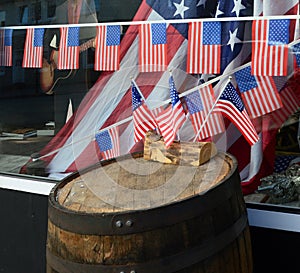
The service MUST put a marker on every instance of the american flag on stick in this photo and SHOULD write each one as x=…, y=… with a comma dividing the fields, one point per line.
x=108, y=142
x=231, y=106
x=172, y=118
x=143, y=118
x=33, y=49
x=68, y=55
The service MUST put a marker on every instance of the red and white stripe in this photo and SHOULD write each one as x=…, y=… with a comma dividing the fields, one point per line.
x=267, y=60
x=115, y=151
x=33, y=55
x=165, y=125
x=240, y=119
x=143, y=122
x=152, y=58
x=68, y=56
x=263, y=99
x=107, y=58
x=5, y=51
x=214, y=124
x=201, y=59
x=290, y=104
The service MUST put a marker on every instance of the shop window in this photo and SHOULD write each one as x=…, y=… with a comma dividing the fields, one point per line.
x=23, y=14
x=2, y=18
x=36, y=15
x=51, y=6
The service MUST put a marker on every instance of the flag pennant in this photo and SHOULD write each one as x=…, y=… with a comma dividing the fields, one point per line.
x=172, y=118
x=33, y=49
x=107, y=50
x=204, y=48
x=290, y=104
x=199, y=105
x=143, y=118
x=6, y=47
x=108, y=142
x=152, y=47
x=232, y=107
x=68, y=55
x=296, y=51
x=259, y=93
x=270, y=40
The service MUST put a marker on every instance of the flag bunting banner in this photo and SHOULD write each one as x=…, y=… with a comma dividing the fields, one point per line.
x=259, y=93
x=270, y=40
x=204, y=48
x=33, y=49
x=152, y=47
x=6, y=47
x=68, y=55
x=107, y=49
x=199, y=105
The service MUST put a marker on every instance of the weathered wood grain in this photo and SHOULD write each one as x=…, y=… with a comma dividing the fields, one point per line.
x=184, y=153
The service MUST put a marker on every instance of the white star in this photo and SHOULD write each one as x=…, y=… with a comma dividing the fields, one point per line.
x=180, y=9
x=238, y=6
x=233, y=39
x=218, y=11
x=201, y=3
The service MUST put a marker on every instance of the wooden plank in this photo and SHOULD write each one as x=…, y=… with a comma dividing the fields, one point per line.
x=184, y=153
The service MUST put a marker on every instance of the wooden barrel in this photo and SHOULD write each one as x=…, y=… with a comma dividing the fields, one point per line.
x=130, y=215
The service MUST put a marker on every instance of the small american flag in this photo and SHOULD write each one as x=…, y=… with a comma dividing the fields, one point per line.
x=68, y=55
x=259, y=94
x=290, y=104
x=143, y=118
x=33, y=49
x=107, y=52
x=204, y=48
x=108, y=142
x=270, y=47
x=199, y=105
x=152, y=47
x=172, y=118
x=6, y=47
x=296, y=51
x=232, y=107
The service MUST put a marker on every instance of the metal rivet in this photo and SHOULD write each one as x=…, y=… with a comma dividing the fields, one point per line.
x=119, y=224
x=129, y=223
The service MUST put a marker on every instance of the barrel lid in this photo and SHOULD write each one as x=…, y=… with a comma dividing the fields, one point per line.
x=129, y=194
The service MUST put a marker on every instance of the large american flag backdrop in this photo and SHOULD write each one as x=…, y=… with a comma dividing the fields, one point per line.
x=109, y=100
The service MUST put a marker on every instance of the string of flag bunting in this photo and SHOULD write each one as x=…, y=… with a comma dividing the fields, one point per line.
x=255, y=82
x=270, y=39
